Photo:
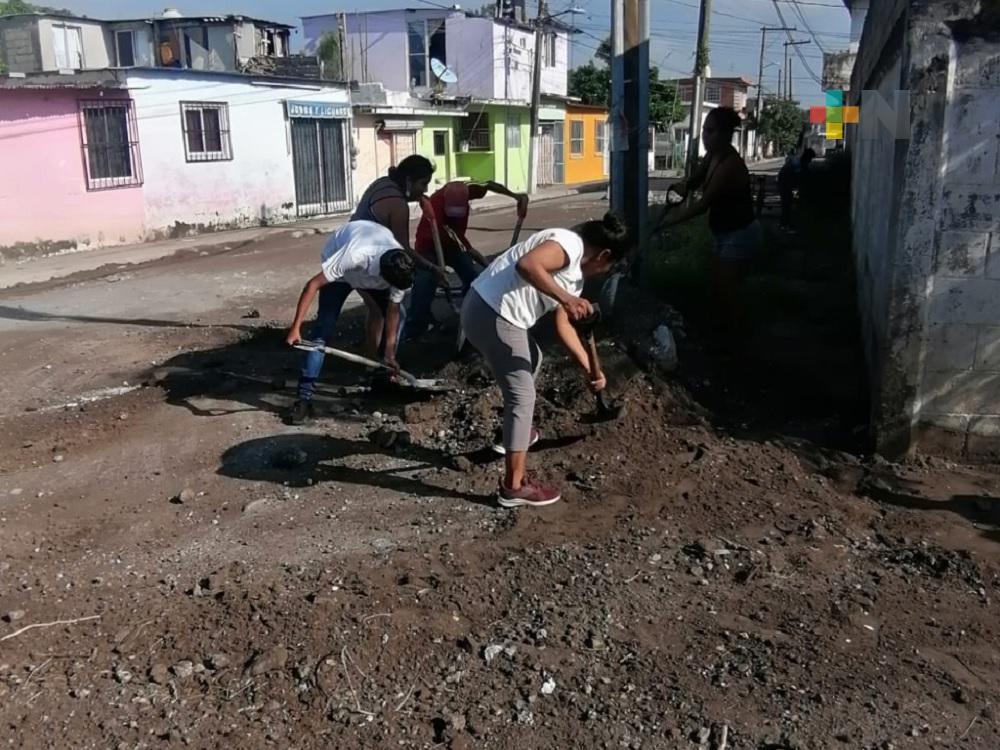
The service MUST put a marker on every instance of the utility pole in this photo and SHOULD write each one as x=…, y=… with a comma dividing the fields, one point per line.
x=636, y=69
x=781, y=82
x=536, y=96
x=760, y=81
x=619, y=122
x=698, y=89
x=506, y=96
x=788, y=66
x=342, y=47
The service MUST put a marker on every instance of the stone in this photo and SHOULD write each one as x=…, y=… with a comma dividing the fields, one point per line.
x=457, y=722
x=14, y=615
x=217, y=661
x=417, y=413
x=291, y=458
x=461, y=463
x=58, y=458
x=298, y=234
x=252, y=314
x=186, y=495
x=269, y=660
x=159, y=674
x=122, y=675
x=549, y=686
x=492, y=652
x=183, y=669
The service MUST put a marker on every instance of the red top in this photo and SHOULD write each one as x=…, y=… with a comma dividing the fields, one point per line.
x=451, y=208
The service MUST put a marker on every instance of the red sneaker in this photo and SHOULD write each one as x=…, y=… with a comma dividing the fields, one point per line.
x=498, y=446
x=530, y=493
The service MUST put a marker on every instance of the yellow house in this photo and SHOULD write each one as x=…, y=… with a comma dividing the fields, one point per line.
x=587, y=147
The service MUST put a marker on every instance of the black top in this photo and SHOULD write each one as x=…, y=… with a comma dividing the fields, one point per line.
x=732, y=208
x=384, y=188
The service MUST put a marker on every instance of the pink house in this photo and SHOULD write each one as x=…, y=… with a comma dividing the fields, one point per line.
x=72, y=168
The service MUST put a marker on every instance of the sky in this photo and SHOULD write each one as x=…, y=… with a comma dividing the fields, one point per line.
x=734, y=48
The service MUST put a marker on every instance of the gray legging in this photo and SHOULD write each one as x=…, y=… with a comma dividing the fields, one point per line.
x=514, y=358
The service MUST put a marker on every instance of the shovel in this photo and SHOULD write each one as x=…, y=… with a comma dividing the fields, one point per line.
x=608, y=409
x=407, y=379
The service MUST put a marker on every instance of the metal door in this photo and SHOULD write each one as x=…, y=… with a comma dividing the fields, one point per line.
x=319, y=156
x=546, y=166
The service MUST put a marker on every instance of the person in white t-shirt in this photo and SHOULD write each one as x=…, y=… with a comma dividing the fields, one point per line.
x=543, y=274
x=360, y=256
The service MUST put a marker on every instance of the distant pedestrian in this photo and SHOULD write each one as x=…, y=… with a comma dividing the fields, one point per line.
x=360, y=256
x=789, y=180
x=724, y=182
x=451, y=210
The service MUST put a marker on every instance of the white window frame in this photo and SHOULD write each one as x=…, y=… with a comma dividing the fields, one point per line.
x=225, y=152
x=601, y=136
x=574, y=140
x=131, y=147
x=716, y=89
x=118, y=49
x=513, y=134
x=428, y=73
x=64, y=29
x=549, y=50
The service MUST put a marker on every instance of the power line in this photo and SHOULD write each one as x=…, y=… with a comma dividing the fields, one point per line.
x=805, y=22
x=802, y=58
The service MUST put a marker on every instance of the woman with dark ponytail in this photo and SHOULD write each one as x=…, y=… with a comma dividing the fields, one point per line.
x=544, y=273
x=724, y=182
x=386, y=201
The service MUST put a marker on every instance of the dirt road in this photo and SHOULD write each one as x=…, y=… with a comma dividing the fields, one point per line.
x=227, y=580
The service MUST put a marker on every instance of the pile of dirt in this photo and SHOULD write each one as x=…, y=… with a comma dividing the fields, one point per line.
x=692, y=590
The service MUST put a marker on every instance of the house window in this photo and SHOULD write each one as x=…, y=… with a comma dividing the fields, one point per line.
x=475, y=133
x=125, y=45
x=440, y=143
x=601, y=137
x=576, y=137
x=206, y=131
x=549, y=51
x=110, y=144
x=426, y=42
x=67, y=44
x=513, y=131
x=713, y=93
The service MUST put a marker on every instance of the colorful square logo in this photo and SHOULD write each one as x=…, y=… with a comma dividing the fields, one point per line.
x=834, y=114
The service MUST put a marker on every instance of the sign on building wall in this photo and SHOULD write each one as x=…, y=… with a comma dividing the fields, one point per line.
x=317, y=110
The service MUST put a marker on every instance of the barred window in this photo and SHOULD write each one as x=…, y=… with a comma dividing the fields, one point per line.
x=576, y=137
x=206, y=131
x=110, y=144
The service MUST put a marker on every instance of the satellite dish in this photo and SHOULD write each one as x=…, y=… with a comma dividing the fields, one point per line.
x=442, y=72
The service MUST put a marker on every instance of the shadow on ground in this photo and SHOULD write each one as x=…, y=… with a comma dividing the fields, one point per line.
x=300, y=460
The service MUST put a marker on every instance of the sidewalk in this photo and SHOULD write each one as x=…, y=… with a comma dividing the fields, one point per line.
x=118, y=257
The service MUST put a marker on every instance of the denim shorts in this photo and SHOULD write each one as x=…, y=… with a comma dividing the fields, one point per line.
x=741, y=244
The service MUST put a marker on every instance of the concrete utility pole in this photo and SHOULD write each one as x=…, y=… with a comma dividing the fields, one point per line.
x=788, y=67
x=760, y=82
x=698, y=89
x=536, y=96
x=630, y=107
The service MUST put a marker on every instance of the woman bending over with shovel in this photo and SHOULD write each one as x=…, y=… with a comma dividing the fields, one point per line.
x=541, y=274
x=361, y=256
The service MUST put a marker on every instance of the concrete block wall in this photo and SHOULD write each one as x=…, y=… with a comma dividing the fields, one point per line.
x=926, y=226
x=19, y=52
x=960, y=384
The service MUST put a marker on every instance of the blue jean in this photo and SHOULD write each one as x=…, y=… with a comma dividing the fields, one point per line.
x=425, y=283
x=331, y=302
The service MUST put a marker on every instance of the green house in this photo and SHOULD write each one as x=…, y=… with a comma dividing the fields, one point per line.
x=492, y=143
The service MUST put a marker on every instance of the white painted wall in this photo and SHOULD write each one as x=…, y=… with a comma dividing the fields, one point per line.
x=378, y=51
x=257, y=184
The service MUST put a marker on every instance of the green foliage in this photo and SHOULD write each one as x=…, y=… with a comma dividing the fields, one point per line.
x=328, y=52
x=781, y=123
x=592, y=84
x=12, y=7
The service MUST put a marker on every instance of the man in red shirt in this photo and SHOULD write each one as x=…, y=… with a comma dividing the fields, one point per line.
x=451, y=208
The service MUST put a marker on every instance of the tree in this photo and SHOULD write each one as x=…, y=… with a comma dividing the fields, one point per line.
x=13, y=7
x=781, y=123
x=592, y=84
x=328, y=53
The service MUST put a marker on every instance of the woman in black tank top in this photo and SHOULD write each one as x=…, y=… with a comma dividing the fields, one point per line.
x=724, y=182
